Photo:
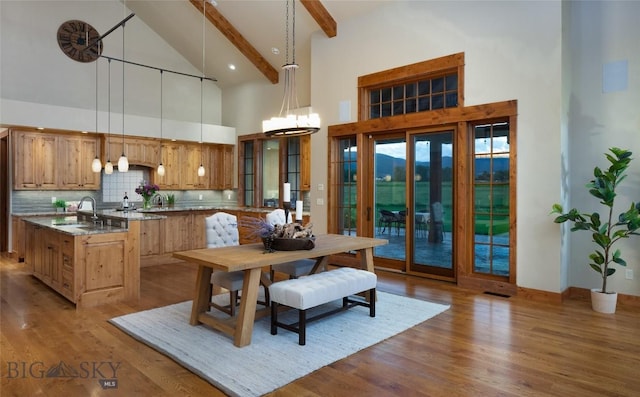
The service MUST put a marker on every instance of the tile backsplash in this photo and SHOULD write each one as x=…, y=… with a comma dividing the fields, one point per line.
x=115, y=186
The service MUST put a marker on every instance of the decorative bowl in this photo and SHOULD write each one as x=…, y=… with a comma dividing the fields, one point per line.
x=288, y=244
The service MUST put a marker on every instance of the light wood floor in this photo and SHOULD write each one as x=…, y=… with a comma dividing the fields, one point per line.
x=483, y=346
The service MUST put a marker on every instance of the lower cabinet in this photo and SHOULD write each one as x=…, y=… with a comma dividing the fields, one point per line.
x=183, y=231
x=89, y=270
x=179, y=231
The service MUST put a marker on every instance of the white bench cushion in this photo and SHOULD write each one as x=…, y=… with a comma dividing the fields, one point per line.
x=316, y=289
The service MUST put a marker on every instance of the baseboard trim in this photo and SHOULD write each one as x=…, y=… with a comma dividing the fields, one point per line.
x=585, y=293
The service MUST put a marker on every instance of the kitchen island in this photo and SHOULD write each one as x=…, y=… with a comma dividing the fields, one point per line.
x=88, y=261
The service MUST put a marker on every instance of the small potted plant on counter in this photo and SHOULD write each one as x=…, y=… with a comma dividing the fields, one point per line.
x=171, y=200
x=606, y=230
x=61, y=205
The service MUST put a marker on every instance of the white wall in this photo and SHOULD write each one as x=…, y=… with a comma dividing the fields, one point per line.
x=40, y=86
x=601, y=33
x=512, y=51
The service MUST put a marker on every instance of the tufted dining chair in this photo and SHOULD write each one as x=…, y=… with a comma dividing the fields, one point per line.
x=221, y=230
x=293, y=269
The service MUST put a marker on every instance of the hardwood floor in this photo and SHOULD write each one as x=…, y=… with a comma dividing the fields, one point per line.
x=483, y=346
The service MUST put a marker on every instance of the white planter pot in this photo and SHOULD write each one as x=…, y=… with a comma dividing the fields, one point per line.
x=603, y=303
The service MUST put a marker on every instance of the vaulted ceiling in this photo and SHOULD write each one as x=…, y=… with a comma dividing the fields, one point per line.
x=244, y=33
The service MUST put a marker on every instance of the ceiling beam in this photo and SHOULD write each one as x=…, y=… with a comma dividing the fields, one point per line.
x=232, y=34
x=322, y=16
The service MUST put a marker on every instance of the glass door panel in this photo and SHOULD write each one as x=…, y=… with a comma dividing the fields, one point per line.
x=491, y=199
x=389, y=196
x=432, y=198
x=271, y=173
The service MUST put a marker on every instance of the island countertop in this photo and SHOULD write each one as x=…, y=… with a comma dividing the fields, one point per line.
x=73, y=226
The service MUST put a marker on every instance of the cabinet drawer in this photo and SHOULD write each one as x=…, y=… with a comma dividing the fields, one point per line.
x=67, y=263
x=67, y=245
x=67, y=280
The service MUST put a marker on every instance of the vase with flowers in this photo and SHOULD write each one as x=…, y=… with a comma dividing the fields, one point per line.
x=147, y=191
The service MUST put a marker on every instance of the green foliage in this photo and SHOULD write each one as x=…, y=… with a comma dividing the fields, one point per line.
x=59, y=203
x=605, y=234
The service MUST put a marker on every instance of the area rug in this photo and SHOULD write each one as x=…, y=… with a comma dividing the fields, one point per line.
x=271, y=361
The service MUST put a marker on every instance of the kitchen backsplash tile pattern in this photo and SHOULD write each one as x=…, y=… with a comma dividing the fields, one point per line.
x=115, y=185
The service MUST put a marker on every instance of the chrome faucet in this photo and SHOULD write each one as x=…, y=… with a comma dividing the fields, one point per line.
x=93, y=203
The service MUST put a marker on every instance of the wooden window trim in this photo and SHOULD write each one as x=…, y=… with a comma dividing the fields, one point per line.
x=432, y=68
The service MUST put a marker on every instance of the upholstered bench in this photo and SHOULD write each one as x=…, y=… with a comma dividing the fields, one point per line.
x=316, y=289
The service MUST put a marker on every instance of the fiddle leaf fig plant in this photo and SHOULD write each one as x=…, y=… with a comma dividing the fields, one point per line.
x=606, y=229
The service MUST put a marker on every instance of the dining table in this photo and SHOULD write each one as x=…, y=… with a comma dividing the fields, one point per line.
x=255, y=263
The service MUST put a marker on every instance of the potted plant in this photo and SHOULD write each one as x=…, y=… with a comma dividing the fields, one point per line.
x=606, y=229
x=171, y=200
x=60, y=205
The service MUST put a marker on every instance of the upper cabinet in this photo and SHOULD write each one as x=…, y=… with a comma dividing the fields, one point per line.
x=221, y=167
x=193, y=155
x=62, y=161
x=139, y=151
x=181, y=161
x=48, y=161
x=76, y=155
x=36, y=160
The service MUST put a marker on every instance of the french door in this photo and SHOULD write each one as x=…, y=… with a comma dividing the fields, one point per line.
x=412, y=201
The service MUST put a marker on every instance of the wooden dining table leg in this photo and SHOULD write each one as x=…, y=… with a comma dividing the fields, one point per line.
x=201, y=299
x=366, y=263
x=246, y=317
x=366, y=259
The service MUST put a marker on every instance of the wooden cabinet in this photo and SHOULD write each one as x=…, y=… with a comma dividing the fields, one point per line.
x=44, y=256
x=76, y=155
x=18, y=239
x=46, y=161
x=179, y=231
x=305, y=163
x=67, y=272
x=151, y=237
x=198, y=234
x=171, y=156
x=192, y=156
x=30, y=253
x=177, y=228
x=87, y=269
x=139, y=151
x=221, y=165
x=182, y=160
x=36, y=161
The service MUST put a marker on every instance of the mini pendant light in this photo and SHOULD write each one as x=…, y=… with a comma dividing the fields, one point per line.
x=96, y=165
x=108, y=167
x=123, y=162
x=160, y=169
x=201, y=171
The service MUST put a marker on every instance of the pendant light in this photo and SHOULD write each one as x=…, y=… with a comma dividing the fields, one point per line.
x=290, y=122
x=201, y=171
x=160, y=169
x=108, y=167
x=96, y=165
x=123, y=162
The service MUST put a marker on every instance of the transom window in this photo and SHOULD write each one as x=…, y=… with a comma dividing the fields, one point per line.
x=417, y=96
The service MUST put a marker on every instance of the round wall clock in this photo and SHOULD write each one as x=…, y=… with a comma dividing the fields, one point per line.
x=75, y=36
